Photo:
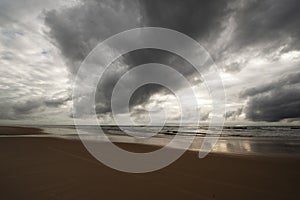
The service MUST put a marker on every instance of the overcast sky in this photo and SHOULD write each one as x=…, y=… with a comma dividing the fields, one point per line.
x=256, y=45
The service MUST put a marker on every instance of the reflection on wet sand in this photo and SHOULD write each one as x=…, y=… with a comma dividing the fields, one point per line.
x=233, y=146
x=257, y=146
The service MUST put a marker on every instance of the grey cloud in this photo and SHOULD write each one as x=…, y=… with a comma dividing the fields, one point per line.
x=21, y=109
x=19, y=11
x=274, y=101
x=269, y=24
x=232, y=114
x=229, y=114
x=28, y=78
x=6, y=111
x=56, y=101
x=275, y=106
x=27, y=107
x=289, y=79
x=140, y=115
x=205, y=116
x=7, y=55
x=233, y=67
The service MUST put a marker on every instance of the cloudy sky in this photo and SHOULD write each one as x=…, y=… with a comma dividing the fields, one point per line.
x=255, y=44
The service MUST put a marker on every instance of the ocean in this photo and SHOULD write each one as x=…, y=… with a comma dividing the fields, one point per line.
x=233, y=139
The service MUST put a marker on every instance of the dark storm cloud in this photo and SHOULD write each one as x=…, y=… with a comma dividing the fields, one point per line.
x=201, y=20
x=78, y=29
x=194, y=18
x=275, y=106
x=143, y=94
x=269, y=23
x=274, y=101
x=198, y=19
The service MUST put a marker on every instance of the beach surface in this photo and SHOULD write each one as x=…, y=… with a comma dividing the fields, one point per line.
x=53, y=168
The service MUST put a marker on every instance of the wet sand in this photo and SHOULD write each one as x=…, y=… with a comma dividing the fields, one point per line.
x=10, y=130
x=50, y=168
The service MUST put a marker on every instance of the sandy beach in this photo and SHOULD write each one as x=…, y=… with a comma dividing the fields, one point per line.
x=50, y=168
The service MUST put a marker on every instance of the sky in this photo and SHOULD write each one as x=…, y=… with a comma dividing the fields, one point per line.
x=255, y=44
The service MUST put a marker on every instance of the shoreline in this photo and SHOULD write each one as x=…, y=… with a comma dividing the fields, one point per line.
x=235, y=146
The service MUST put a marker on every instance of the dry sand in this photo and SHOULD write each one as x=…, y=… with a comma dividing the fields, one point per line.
x=49, y=168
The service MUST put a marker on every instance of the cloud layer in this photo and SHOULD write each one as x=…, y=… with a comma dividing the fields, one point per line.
x=256, y=43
